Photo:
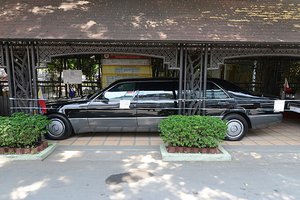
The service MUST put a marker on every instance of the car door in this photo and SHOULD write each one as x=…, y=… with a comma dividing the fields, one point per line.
x=217, y=101
x=156, y=100
x=114, y=107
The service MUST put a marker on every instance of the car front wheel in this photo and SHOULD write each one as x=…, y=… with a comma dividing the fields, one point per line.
x=59, y=127
x=237, y=127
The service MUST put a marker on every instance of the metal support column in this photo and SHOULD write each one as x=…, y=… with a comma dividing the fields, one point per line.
x=34, y=75
x=181, y=67
x=205, y=77
x=9, y=75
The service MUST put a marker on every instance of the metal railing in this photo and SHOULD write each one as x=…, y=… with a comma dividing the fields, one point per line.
x=58, y=90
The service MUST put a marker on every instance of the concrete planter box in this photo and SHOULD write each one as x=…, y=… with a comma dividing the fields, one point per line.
x=38, y=156
x=223, y=156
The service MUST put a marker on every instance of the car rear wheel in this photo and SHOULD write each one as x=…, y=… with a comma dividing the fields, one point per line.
x=237, y=127
x=59, y=127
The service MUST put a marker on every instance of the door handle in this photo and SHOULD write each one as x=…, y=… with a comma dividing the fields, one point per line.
x=223, y=103
x=132, y=106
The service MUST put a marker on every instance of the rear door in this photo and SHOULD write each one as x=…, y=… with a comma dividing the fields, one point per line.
x=156, y=100
x=115, y=107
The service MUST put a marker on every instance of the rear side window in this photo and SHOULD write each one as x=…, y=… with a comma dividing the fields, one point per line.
x=157, y=90
x=214, y=92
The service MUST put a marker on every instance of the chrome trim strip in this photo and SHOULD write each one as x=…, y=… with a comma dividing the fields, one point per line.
x=112, y=118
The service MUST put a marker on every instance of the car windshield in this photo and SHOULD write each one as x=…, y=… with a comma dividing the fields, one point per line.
x=94, y=95
x=230, y=87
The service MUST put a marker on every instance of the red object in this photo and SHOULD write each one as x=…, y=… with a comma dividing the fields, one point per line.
x=286, y=87
x=42, y=102
x=42, y=105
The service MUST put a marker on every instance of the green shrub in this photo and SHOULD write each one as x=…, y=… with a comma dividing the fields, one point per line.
x=22, y=130
x=192, y=131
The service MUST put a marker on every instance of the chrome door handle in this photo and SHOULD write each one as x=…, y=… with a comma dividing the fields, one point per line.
x=223, y=103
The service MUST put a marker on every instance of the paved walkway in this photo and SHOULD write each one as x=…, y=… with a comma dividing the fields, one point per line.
x=285, y=133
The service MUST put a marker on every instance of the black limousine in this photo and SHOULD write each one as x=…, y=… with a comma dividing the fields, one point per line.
x=139, y=104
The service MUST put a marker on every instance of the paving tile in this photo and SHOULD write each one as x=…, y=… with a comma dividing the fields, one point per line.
x=80, y=142
x=71, y=139
x=155, y=139
x=111, y=142
x=84, y=139
x=126, y=143
x=113, y=138
x=96, y=142
x=234, y=143
x=156, y=142
x=142, y=138
x=292, y=142
x=98, y=138
x=282, y=138
x=278, y=142
x=128, y=138
x=142, y=142
x=257, y=138
x=264, y=143
x=66, y=142
x=293, y=137
x=248, y=143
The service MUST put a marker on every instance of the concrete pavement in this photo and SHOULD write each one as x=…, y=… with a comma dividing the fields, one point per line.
x=137, y=172
x=116, y=166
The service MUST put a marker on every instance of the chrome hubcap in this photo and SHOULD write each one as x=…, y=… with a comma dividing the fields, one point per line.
x=56, y=127
x=235, y=128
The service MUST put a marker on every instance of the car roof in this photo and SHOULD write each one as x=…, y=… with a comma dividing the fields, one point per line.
x=220, y=82
x=162, y=79
x=145, y=80
x=216, y=80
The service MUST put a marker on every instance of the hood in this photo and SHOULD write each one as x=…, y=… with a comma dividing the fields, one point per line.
x=56, y=104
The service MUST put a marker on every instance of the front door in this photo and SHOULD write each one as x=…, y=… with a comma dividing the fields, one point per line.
x=115, y=107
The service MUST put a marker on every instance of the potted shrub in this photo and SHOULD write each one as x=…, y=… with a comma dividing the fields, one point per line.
x=22, y=133
x=204, y=133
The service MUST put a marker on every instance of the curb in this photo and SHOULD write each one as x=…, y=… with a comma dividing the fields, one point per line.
x=39, y=156
x=224, y=156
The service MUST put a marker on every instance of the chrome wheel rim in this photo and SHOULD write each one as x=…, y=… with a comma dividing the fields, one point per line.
x=56, y=128
x=235, y=128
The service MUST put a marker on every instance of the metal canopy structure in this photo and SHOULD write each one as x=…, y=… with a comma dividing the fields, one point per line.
x=189, y=36
x=22, y=58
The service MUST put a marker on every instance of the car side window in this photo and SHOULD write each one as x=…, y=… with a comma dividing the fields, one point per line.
x=214, y=92
x=156, y=91
x=122, y=91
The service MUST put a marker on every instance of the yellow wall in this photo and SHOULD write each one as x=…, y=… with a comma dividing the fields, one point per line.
x=112, y=73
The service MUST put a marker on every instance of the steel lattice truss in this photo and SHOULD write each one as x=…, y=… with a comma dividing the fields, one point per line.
x=220, y=54
x=168, y=52
x=21, y=75
x=193, y=86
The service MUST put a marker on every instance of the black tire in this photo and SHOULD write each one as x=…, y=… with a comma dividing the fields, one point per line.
x=237, y=127
x=59, y=128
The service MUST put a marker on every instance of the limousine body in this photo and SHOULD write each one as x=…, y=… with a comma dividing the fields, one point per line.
x=139, y=104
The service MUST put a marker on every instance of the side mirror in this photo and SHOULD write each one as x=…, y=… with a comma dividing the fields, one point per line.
x=104, y=100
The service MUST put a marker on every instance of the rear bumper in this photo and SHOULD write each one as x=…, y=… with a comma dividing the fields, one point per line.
x=261, y=121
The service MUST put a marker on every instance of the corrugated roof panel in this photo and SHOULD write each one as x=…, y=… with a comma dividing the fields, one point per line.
x=193, y=20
